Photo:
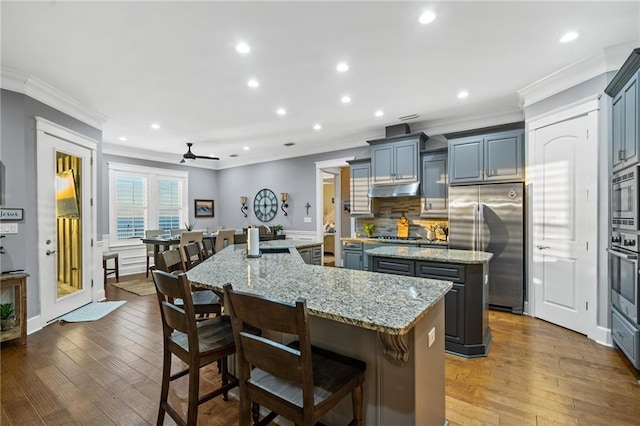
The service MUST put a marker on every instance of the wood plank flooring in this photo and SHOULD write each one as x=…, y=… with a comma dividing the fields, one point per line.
x=108, y=372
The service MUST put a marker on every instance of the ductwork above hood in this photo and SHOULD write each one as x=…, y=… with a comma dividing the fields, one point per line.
x=397, y=190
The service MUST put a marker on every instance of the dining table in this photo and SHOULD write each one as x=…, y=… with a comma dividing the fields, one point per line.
x=163, y=243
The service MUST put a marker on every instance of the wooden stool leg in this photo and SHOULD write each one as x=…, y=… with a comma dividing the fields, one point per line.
x=104, y=268
x=117, y=271
x=356, y=402
x=147, y=266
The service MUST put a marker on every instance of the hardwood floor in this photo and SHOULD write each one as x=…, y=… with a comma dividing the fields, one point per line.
x=108, y=372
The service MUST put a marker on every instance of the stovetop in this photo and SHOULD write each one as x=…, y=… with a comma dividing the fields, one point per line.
x=392, y=237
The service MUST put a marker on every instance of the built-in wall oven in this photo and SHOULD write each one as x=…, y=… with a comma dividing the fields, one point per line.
x=624, y=199
x=623, y=270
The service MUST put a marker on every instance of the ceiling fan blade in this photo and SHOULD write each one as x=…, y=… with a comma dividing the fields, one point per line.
x=191, y=156
x=204, y=157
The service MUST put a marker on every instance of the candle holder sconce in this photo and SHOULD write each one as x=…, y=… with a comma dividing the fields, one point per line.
x=307, y=206
x=244, y=208
x=284, y=196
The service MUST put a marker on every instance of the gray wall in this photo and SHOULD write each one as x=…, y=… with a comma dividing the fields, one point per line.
x=19, y=188
x=581, y=91
x=295, y=176
x=203, y=184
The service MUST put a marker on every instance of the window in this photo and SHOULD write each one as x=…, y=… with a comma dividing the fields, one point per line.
x=145, y=198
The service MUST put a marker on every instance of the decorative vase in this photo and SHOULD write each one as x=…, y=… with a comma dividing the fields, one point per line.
x=8, y=324
x=431, y=235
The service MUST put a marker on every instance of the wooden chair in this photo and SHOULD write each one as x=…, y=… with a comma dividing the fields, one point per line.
x=298, y=381
x=150, y=233
x=224, y=238
x=192, y=255
x=205, y=302
x=195, y=344
x=207, y=247
x=177, y=232
x=107, y=255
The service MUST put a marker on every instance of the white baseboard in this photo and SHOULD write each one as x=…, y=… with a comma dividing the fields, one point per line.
x=602, y=335
x=34, y=324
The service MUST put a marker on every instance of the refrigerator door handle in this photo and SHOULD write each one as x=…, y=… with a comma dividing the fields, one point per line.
x=480, y=227
x=474, y=244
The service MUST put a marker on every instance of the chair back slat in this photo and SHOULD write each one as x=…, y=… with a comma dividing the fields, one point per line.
x=224, y=239
x=266, y=314
x=272, y=357
x=207, y=247
x=192, y=255
x=170, y=261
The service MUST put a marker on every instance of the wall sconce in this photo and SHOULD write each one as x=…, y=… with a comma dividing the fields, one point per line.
x=244, y=208
x=283, y=197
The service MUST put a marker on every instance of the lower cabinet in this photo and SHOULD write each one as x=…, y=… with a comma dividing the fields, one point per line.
x=352, y=256
x=467, y=330
x=626, y=336
x=311, y=255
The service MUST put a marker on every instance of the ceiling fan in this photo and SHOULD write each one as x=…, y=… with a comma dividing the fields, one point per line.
x=191, y=156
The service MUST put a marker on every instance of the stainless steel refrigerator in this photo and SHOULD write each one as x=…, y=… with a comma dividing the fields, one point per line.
x=491, y=218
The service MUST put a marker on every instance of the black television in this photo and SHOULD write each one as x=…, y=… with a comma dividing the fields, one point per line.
x=66, y=195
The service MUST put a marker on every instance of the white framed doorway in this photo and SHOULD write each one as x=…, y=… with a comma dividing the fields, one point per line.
x=563, y=209
x=66, y=178
x=333, y=167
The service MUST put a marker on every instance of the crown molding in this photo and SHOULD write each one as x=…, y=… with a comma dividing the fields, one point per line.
x=608, y=59
x=29, y=85
x=456, y=124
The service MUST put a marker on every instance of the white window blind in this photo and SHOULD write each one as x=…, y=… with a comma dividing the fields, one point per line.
x=145, y=198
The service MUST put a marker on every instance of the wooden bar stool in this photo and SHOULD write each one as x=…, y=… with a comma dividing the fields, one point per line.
x=298, y=381
x=108, y=271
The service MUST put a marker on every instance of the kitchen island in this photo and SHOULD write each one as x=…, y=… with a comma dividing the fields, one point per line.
x=467, y=331
x=395, y=324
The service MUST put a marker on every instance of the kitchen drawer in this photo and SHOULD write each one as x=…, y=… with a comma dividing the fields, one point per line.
x=440, y=271
x=394, y=266
x=626, y=336
x=352, y=246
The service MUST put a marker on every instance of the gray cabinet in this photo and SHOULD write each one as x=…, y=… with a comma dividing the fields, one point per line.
x=352, y=256
x=360, y=184
x=494, y=157
x=467, y=330
x=396, y=160
x=311, y=255
x=435, y=200
x=626, y=125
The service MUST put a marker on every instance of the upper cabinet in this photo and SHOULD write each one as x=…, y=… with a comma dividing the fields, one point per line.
x=625, y=120
x=396, y=159
x=495, y=157
x=434, y=186
x=360, y=186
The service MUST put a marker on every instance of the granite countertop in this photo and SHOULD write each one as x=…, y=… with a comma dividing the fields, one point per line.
x=348, y=296
x=394, y=241
x=432, y=254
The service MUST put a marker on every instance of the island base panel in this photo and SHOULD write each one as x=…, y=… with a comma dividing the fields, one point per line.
x=408, y=393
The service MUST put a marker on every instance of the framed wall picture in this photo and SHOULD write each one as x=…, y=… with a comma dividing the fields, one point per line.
x=203, y=208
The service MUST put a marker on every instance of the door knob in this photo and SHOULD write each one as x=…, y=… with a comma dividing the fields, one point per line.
x=49, y=252
x=541, y=247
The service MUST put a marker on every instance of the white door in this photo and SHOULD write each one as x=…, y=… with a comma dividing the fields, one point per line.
x=564, y=210
x=64, y=225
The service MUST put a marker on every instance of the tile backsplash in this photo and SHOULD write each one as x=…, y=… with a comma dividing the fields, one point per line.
x=387, y=211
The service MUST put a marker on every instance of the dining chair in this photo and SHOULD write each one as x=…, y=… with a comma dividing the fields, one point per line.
x=205, y=302
x=178, y=232
x=195, y=344
x=151, y=233
x=298, y=381
x=207, y=247
x=224, y=239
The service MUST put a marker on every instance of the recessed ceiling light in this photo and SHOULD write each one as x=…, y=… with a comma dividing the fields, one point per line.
x=342, y=67
x=246, y=148
x=253, y=83
x=345, y=99
x=427, y=17
x=462, y=94
x=317, y=126
x=281, y=111
x=155, y=126
x=379, y=113
x=122, y=138
x=243, y=48
x=289, y=144
x=233, y=155
x=568, y=37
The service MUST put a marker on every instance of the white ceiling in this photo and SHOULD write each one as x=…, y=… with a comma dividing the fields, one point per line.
x=175, y=63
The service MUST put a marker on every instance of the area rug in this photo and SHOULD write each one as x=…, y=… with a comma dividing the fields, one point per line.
x=92, y=311
x=142, y=287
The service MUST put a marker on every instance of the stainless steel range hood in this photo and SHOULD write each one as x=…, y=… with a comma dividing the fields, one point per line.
x=395, y=190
